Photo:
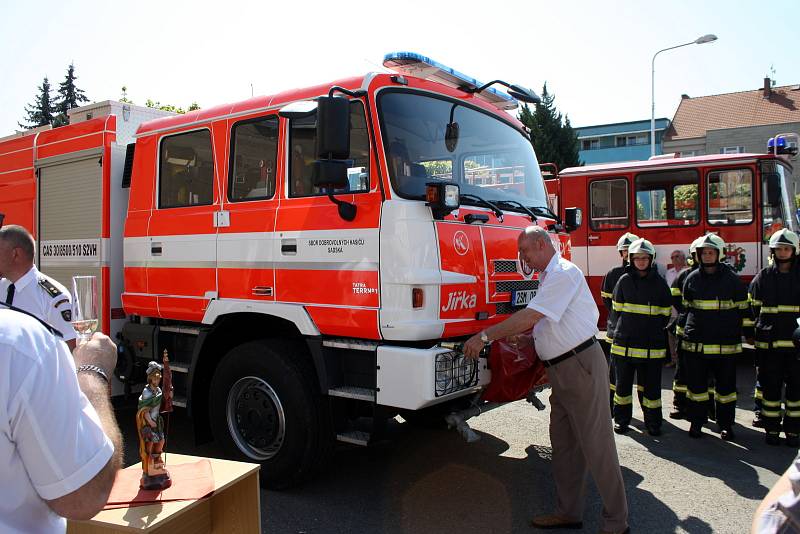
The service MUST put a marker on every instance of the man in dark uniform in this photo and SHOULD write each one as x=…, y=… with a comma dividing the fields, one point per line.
x=679, y=381
x=24, y=287
x=717, y=305
x=607, y=293
x=643, y=304
x=775, y=298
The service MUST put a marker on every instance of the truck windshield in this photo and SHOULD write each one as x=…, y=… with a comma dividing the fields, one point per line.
x=431, y=138
x=779, y=206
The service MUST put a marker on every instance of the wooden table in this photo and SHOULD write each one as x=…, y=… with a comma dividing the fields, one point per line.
x=234, y=507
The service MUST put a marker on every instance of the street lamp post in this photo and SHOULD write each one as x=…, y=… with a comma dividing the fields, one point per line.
x=700, y=40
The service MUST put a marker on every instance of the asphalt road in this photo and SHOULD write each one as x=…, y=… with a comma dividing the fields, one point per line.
x=431, y=481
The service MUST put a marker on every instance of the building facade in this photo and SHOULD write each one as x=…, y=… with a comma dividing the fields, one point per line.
x=619, y=141
x=734, y=123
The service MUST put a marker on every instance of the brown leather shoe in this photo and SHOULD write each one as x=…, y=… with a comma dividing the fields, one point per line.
x=553, y=521
x=626, y=531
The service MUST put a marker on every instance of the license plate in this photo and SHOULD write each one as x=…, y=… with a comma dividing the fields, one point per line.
x=522, y=297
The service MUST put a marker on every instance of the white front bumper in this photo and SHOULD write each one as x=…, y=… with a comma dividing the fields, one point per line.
x=406, y=378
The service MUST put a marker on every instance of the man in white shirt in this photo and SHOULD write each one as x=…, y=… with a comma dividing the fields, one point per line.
x=563, y=317
x=24, y=287
x=60, y=446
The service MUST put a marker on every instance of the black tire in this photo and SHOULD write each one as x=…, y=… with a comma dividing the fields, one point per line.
x=265, y=407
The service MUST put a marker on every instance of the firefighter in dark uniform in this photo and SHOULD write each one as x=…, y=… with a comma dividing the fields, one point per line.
x=679, y=381
x=717, y=310
x=775, y=298
x=643, y=304
x=607, y=293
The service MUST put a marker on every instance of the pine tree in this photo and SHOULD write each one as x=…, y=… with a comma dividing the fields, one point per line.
x=552, y=135
x=69, y=96
x=40, y=112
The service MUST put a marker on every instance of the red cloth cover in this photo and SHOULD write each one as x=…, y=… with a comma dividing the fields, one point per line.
x=515, y=370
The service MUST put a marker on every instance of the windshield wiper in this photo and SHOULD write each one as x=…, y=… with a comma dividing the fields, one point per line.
x=543, y=210
x=519, y=204
x=497, y=211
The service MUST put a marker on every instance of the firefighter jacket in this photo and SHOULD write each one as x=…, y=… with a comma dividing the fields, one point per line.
x=775, y=300
x=717, y=311
x=607, y=293
x=677, y=324
x=643, y=306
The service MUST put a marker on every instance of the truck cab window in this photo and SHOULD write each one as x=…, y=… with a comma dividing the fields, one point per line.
x=730, y=197
x=186, y=171
x=609, y=204
x=253, y=156
x=302, y=143
x=667, y=198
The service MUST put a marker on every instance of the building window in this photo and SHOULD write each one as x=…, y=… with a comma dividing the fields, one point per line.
x=667, y=198
x=609, y=204
x=186, y=174
x=254, y=153
x=688, y=153
x=590, y=144
x=632, y=140
x=302, y=140
x=732, y=150
x=730, y=197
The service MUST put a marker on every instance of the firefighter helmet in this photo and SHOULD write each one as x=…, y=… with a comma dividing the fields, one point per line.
x=642, y=245
x=625, y=240
x=711, y=241
x=784, y=236
x=693, y=245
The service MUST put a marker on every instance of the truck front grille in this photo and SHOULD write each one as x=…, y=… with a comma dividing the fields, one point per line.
x=516, y=285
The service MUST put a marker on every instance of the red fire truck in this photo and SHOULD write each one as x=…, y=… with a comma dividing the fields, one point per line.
x=307, y=258
x=670, y=201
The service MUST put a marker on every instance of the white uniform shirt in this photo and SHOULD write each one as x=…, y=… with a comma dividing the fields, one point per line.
x=31, y=296
x=51, y=440
x=672, y=274
x=783, y=515
x=570, y=314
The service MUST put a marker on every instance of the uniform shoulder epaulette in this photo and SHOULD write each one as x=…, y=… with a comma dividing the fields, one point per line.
x=48, y=286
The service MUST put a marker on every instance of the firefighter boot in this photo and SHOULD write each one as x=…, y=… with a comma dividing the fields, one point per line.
x=792, y=440
x=696, y=430
x=758, y=420
x=727, y=434
x=773, y=438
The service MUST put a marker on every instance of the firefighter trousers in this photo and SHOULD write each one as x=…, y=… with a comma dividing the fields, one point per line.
x=679, y=383
x=698, y=371
x=779, y=368
x=648, y=376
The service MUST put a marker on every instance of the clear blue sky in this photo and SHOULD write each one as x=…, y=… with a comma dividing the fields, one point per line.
x=595, y=56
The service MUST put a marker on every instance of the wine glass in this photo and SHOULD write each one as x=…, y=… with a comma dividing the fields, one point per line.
x=84, y=306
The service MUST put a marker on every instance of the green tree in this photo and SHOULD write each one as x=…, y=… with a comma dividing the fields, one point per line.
x=553, y=137
x=69, y=96
x=40, y=112
x=169, y=107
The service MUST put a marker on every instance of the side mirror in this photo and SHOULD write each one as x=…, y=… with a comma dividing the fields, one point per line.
x=333, y=127
x=573, y=218
x=442, y=198
x=773, y=192
x=330, y=174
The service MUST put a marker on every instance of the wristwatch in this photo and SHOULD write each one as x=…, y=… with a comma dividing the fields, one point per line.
x=484, y=338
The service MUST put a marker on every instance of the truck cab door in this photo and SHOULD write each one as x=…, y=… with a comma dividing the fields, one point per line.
x=245, y=246
x=326, y=263
x=182, y=255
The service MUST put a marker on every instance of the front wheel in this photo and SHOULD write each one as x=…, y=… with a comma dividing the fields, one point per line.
x=265, y=408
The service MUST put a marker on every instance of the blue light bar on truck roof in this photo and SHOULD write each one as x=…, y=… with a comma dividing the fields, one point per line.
x=413, y=64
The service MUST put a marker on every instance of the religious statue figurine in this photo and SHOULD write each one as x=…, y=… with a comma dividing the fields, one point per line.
x=150, y=424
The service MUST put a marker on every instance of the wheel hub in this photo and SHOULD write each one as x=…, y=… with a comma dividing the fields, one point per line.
x=256, y=419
